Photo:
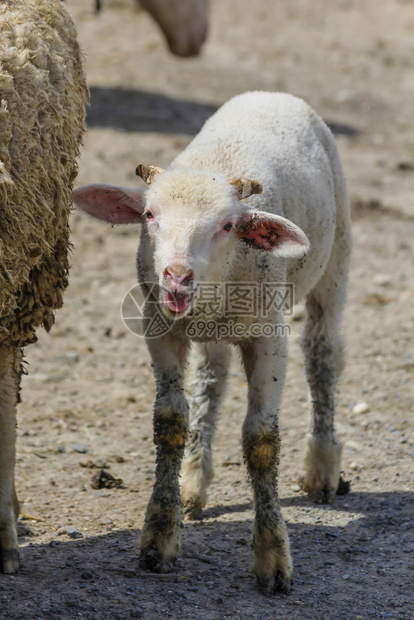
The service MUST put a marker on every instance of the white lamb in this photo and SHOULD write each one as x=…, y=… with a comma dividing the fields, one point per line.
x=198, y=236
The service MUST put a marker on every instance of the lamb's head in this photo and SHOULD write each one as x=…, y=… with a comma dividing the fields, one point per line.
x=193, y=220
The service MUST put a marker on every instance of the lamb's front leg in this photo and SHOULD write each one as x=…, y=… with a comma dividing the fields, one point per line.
x=10, y=359
x=160, y=538
x=265, y=364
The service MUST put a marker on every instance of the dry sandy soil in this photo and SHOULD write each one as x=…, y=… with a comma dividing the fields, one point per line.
x=87, y=401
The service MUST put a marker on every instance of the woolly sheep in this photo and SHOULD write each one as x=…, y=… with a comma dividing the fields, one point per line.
x=198, y=237
x=42, y=112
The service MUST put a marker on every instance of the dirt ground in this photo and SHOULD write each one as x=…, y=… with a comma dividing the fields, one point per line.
x=87, y=401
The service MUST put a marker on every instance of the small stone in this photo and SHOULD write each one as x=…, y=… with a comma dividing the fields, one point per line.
x=60, y=531
x=89, y=464
x=361, y=408
x=71, y=531
x=353, y=466
x=346, y=577
x=382, y=280
x=346, y=96
x=106, y=521
x=295, y=488
x=82, y=448
x=100, y=463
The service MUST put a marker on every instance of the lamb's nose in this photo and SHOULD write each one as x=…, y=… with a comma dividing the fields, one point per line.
x=179, y=279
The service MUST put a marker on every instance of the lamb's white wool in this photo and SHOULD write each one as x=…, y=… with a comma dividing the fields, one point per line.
x=257, y=200
x=42, y=121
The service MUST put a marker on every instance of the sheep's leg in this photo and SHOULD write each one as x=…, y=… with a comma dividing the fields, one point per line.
x=160, y=538
x=265, y=363
x=323, y=362
x=10, y=360
x=207, y=386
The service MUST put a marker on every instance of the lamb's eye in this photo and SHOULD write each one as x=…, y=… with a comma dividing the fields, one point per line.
x=227, y=227
x=149, y=215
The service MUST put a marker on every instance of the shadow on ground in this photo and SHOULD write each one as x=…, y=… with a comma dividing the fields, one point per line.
x=372, y=556
x=140, y=111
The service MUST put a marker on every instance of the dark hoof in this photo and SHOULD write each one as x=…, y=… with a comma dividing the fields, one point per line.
x=322, y=496
x=151, y=560
x=271, y=585
x=192, y=512
x=344, y=486
x=10, y=561
x=325, y=496
x=282, y=584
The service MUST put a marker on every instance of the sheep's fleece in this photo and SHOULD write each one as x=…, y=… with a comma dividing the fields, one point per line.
x=42, y=122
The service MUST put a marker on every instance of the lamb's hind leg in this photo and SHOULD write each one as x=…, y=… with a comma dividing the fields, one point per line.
x=323, y=361
x=207, y=387
x=10, y=359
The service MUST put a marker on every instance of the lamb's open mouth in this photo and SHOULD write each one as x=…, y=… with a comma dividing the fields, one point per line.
x=176, y=301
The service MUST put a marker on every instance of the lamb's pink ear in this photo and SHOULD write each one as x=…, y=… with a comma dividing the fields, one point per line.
x=273, y=233
x=113, y=204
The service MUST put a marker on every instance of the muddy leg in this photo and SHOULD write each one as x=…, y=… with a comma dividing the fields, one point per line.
x=265, y=363
x=207, y=387
x=323, y=362
x=10, y=359
x=160, y=538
